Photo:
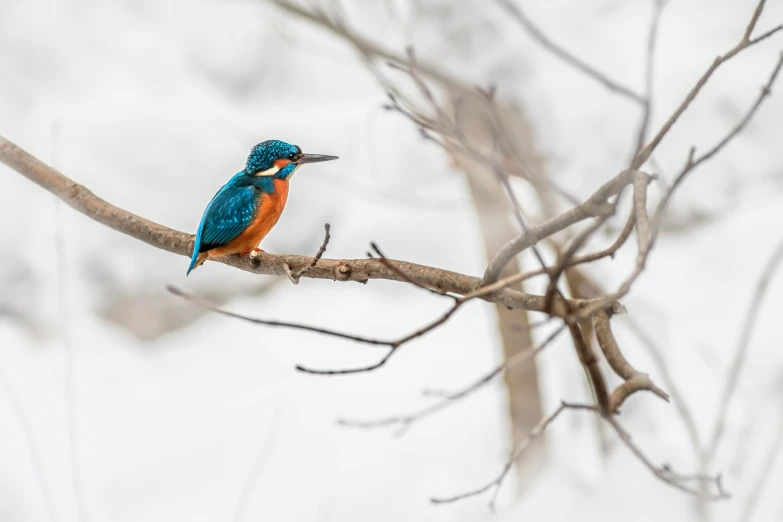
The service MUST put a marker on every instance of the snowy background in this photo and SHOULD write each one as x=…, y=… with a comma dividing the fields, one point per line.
x=154, y=104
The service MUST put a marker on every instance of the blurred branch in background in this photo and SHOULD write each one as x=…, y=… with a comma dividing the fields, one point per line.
x=769, y=460
x=450, y=398
x=741, y=352
x=513, y=9
x=664, y=473
x=267, y=447
x=140, y=311
x=34, y=452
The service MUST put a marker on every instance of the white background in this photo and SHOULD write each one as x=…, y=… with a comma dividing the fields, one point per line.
x=154, y=104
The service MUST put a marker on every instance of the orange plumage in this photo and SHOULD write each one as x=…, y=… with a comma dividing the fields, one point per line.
x=270, y=208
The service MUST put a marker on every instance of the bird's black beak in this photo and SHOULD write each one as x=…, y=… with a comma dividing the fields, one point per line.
x=314, y=158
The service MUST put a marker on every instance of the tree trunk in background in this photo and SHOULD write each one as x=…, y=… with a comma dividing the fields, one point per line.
x=577, y=283
x=497, y=226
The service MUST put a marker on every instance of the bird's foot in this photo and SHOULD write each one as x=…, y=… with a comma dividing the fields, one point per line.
x=255, y=253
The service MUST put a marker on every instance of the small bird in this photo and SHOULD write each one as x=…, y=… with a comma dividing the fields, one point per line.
x=249, y=205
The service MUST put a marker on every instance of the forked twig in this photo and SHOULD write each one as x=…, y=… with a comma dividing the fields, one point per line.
x=294, y=277
x=448, y=399
x=663, y=473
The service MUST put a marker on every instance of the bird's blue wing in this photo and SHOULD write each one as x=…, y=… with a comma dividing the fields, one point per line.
x=232, y=209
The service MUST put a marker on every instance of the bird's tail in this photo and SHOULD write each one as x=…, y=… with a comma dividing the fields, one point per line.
x=196, y=260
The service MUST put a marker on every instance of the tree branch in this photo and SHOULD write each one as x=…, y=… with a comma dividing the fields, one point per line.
x=296, y=276
x=520, y=448
x=595, y=206
x=634, y=379
x=742, y=45
x=364, y=45
x=645, y=246
x=663, y=473
x=84, y=201
x=447, y=399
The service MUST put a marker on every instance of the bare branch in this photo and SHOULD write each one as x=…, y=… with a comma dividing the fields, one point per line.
x=296, y=276
x=406, y=421
x=634, y=379
x=640, y=182
x=693, y=161
x=746, y=42
x=649, y=74
x=595, y=206
x=663, y=473
x=404, y=277
x=82, y=200
x=643, y=237
x=297, y=326
x=364, y=45
x=572, y=262
x=521, y=447
x=392, y=345
x=678, y=399
x=590, y=363
x=666, y=474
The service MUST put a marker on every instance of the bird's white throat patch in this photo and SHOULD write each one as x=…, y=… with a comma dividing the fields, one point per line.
x=268, y=172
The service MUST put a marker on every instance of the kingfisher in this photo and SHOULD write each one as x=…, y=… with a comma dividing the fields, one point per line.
x=249, y=205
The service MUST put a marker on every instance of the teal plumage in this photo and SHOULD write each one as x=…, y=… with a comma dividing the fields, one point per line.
x=230, y=212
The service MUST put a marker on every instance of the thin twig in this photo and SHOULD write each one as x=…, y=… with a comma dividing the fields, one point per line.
x=297, y=326
x=363, y=44
x=690, y=164
x=671, y=385
x=539, y=36
x=407, y=420
x=665, y=473
x=595, y=206
x=403, y=276
x=296, y=276
x=640, y=181
x=518, y=450
x=649, y=75
x=742, y=45
x=392, y=345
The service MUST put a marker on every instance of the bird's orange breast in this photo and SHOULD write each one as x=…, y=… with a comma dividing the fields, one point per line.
x=269, y=210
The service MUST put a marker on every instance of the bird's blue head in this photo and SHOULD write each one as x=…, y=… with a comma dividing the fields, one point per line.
x=279, y=159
